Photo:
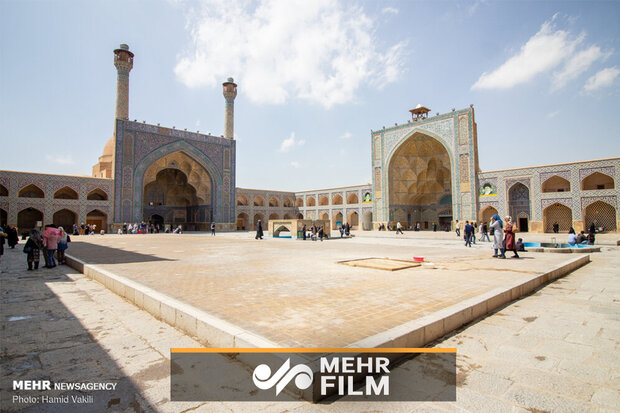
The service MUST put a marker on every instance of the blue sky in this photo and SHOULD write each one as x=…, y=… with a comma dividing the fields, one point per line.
x=314, y=78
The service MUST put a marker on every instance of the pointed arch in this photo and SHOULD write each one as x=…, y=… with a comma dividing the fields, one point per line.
x=98, y=218
x=560, y=214
x=31, y=191
x=243, y=200
x=486, y=213
x=243, y=222
x=602, y=215
x=597, y=181
x=310, y=201
x=27, y=218
x=337, y=199
x=97, y=194
x=299, y=202
x=555, y=184
x=3, y=190
x=288, y=202
x=353, y=199
x=274, y=202
x=65, y=218
x=66, y=192
x=259, y=201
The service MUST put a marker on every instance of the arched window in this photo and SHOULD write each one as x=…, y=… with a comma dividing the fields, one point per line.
x=97, y=195
x=555, y=184
x=337, y=199
x=243, y=201
x=259, y=201
x=323, y=201
x=31, y=191
x=596, y=181
x=274, y=202
x=310, y=201
x=65, y=193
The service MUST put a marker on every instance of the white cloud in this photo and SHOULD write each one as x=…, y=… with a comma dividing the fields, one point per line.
x=295, y=164
x=290, y=142
x=604, y=78
x=553, y=114
x=541, y=53
x=60, y=159
x=347, y=135
x=472, y=9
x=319, y=51
x=576, y=65
x=389, y=10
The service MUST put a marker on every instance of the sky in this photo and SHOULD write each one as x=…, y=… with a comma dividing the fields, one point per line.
x=314, y=78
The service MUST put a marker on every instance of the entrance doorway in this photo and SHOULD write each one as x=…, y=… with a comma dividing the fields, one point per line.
x=523, y=225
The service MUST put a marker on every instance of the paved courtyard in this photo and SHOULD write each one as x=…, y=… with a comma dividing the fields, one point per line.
x=554, y=351
x=295, y=293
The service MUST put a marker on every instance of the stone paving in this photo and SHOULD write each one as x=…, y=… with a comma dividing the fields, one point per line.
x=556, y=350
x=295, y=293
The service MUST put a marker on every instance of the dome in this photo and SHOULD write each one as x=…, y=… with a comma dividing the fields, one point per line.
x=108, y=149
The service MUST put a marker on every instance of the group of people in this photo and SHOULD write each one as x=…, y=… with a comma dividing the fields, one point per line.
x=582, y=238
x=317, y=232
x=151, y=228
x=53, y=242
x=84, y=229
x=504, y=236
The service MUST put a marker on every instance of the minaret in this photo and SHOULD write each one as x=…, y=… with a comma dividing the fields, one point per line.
x=230, y=93
x=123, y=60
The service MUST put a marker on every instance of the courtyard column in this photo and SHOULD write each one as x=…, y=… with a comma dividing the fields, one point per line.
x=123, y=61
x=230, y=93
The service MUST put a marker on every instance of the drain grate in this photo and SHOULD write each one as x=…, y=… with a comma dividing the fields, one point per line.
x=385, y=264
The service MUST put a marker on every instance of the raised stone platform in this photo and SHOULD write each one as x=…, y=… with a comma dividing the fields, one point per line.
x=232, y=291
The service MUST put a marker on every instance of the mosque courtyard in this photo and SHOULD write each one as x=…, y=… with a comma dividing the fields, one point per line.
x=553, y=350
x=293, y=293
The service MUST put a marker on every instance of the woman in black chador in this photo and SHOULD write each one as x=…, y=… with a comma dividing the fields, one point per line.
x=12, y=237
x=259, y=230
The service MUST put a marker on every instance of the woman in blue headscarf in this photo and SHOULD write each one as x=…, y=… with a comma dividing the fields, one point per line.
x=496, y=226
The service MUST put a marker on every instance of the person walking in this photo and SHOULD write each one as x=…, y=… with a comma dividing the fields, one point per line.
x=259, y=230
x=469, y=231
x=50, y=240
x=12, y=238
x=510, y=230
x=434, y=227
x=497, y=227
x=321, y=233
x=33, y=249
x=485, y=231
x=3, y=236
x=63, y=244
x=303, y=230
x=458, y=228
x=213, y=228
x=591, y=235
x=399, y=228
x=341, y=231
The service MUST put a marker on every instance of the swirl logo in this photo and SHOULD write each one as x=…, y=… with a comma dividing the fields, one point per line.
x=301, y=373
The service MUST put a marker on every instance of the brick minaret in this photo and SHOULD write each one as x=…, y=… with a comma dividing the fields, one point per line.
x=230, y=93
x=123, y=60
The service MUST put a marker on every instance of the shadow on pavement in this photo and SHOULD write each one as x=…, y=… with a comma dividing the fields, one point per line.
x=41, y=339
x=100, y=254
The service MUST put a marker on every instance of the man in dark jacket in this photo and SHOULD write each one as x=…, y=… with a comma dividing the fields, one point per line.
x=259, y=230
